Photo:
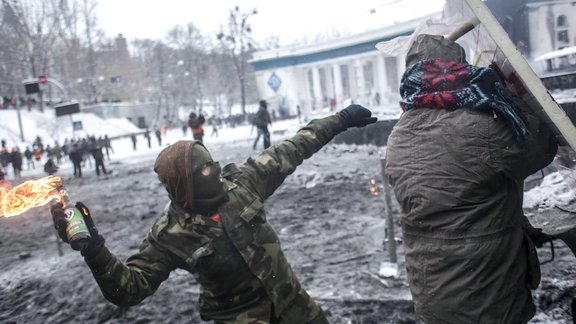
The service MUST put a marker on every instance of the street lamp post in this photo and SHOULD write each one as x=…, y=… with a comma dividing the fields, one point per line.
x=18, y=114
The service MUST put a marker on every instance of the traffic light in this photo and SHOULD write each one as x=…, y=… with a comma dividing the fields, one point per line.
x=42, y=79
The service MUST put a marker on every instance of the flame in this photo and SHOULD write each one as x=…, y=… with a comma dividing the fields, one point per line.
x=374, y=187
x=30, y=194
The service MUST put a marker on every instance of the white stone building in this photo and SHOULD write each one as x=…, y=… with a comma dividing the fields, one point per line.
x=351, y=69
x=332, y=73
x=552, y=26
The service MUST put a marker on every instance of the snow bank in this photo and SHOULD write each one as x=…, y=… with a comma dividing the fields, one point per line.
x=51, y=128
x=553, y=191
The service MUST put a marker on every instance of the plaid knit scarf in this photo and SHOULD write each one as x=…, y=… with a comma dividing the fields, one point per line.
x=451, y=85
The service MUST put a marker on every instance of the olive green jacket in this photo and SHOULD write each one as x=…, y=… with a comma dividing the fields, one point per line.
x=458, y=176
x=238, y=261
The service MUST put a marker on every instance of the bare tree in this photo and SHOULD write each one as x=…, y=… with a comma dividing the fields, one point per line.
x=156, y=59
x=88, y=8
x=191, y=65
x=237, y=39
x=60, y=38
x=270, y=42
x=221, y=88
x=67, y=61
x=34, y=24
x=143, y=55
x=75, y=59
x=12, y=66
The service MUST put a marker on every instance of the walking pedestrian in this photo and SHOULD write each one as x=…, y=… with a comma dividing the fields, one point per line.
x=107, y=144
x=75, y=155
x=159, y=136
x=148, y=139
x=298, y=113
x=184, y=128
x=29, y=158
x=261, y=121
x=5, y=158
x=196, y=124
x=96, y=151
x=16, y=159
x=37, y=154
x=134, y=140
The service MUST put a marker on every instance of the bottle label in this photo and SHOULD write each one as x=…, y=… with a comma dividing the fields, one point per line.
x=76, y=223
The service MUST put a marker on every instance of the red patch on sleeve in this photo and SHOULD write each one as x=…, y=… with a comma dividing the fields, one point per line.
x=216, y=218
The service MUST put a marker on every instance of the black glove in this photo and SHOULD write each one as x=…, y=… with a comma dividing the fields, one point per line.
x=356, y=116
x=59, y=218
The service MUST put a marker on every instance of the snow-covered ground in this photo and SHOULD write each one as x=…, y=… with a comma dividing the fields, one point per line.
x=53, y=129
x=339, y=261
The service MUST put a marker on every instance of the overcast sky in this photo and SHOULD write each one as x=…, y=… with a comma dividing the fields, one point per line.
x=290, y=20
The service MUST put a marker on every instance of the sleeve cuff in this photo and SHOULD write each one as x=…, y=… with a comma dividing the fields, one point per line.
x=99, y=263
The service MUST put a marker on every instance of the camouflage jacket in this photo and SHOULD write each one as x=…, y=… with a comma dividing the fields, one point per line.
x=238, y=260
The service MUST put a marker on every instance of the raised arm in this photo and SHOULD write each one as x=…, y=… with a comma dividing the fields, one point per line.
x=266, y=172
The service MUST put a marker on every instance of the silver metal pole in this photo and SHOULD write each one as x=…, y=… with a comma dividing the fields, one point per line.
x=391, y=242
x=18, y=113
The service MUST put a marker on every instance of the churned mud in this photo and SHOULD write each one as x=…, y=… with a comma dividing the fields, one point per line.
x=331, y=226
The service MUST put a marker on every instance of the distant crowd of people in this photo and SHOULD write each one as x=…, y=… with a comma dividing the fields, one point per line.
x=80, y=152
x=7, y=102
x=83, y=151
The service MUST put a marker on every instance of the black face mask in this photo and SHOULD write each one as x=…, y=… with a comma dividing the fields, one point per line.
x=209, y=190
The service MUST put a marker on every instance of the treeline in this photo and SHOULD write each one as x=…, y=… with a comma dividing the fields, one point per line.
x=61, y=39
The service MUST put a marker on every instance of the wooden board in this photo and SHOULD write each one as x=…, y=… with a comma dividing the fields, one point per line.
x=489, y=44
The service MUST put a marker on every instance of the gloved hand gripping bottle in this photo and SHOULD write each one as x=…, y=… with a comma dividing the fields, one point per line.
x=76, y=229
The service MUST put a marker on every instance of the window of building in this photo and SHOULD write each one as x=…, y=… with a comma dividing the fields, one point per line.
x=563, y=36
x=562, y=21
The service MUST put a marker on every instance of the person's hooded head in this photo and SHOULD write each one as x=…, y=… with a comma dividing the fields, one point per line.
x=191, y=177
x=431, y=47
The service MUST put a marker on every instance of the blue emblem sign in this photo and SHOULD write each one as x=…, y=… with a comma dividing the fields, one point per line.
x=77, y=125
x=274, y=82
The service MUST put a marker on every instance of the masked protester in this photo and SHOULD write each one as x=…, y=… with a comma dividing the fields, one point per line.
x=215, y=227
x=457, y=159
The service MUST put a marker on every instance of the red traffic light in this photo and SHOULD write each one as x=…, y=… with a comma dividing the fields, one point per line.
x=42, y=79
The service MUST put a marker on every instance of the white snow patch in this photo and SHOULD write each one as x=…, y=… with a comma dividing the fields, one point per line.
x=553, y=191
